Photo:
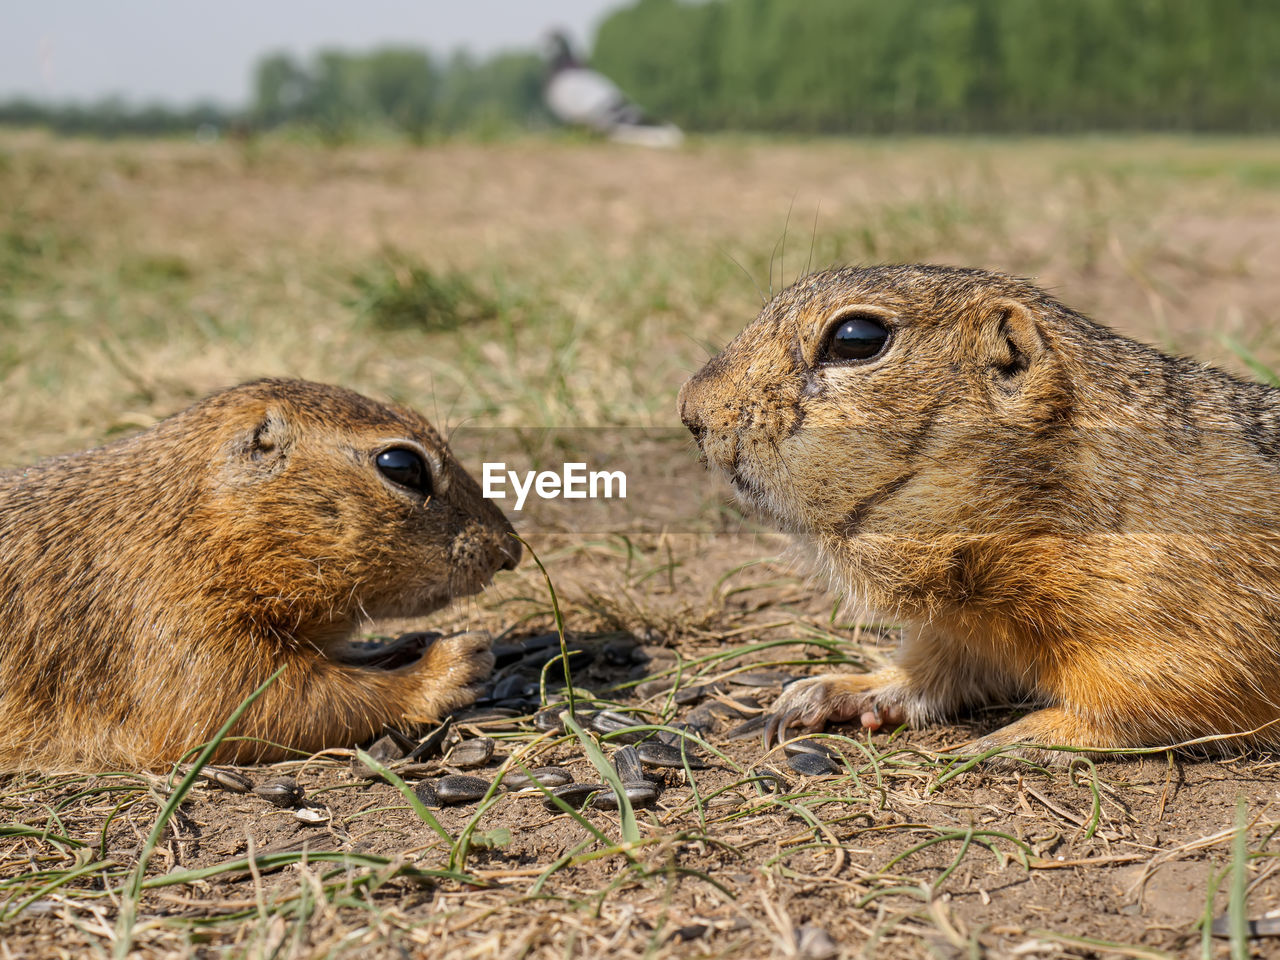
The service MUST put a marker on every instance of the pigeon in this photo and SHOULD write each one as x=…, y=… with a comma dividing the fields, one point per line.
x=582, y=97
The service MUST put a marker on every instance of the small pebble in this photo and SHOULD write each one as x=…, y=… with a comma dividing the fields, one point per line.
x=812, y=764
x=691, y=931
x=814, y=943
x=471, y=753
x=549, y=777
x=640, y=795
x=228, y=779
x=655, y=754
x=574, y=794
x=281, y=791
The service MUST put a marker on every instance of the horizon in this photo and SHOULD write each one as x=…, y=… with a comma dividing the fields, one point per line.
x=148, y=52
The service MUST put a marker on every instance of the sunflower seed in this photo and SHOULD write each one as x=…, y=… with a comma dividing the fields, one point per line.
x=471, y=753
x=541, y=641
x=703, y=718
x=627, y=762
x=385, y=749
x=508, y=687
x=618, y=653
x=809, y=745
x=652, y=688
x=688, y=695
x=770, y=780
x=655, y=754
x=573, y=794
x=640, y=795
x=282, y=791
x=455, y=788
x=228, y=779
x=609, y=722
x=433, y=743
x=498, y=717
x=548, y=719
x=505, y=654
x=549, y=777
x=812, y=764
x=750, y=728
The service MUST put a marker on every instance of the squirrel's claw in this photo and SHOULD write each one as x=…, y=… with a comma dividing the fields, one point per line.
x=775, y=729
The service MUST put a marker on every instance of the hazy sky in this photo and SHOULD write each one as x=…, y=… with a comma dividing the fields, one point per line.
x=178, y=51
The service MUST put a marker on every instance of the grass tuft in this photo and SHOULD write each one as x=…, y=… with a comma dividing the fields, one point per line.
x=395, y=293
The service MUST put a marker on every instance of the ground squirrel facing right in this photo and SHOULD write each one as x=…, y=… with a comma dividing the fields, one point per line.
x=1051, y=510
x=147, y=587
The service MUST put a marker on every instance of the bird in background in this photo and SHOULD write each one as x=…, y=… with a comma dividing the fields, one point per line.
x=581, y=97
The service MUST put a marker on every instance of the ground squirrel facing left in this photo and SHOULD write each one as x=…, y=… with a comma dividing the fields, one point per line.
x=148, y=586
x=1053, y=512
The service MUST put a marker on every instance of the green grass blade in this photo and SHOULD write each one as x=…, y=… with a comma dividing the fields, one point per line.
x=627, y=816
x=129, y=900
x=409, y=794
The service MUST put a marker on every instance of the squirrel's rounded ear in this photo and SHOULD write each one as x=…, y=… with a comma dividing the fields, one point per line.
x=268, y=442
x=1017, y=343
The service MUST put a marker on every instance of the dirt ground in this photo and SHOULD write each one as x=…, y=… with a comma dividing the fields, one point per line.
x=136, y=276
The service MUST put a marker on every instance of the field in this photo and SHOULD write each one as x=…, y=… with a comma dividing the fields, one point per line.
x=572, y=285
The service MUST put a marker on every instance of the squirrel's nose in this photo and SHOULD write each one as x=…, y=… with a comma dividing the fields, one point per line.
x=511, y=552
x=690, y=415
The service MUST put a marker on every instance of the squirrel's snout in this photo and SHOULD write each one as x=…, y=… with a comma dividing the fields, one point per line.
x=511, y=552
x=690, y=414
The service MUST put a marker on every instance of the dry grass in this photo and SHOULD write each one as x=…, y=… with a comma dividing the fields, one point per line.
x=577, y=285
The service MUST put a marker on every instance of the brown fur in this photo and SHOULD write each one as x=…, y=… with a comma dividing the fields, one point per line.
x=148, y=586
x=1051, y=510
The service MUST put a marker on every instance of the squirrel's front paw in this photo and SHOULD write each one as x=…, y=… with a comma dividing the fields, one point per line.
x=451, y=671
x=814, y=702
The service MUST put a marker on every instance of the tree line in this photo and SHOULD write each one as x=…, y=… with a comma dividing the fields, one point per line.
x=865, y=66
x=817, y=66
x=338, y=95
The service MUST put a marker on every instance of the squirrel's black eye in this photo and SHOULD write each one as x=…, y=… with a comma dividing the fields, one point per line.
x=405, y=468
x=856, y=337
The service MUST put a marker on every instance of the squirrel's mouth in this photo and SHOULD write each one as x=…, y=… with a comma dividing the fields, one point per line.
x=755, y=498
